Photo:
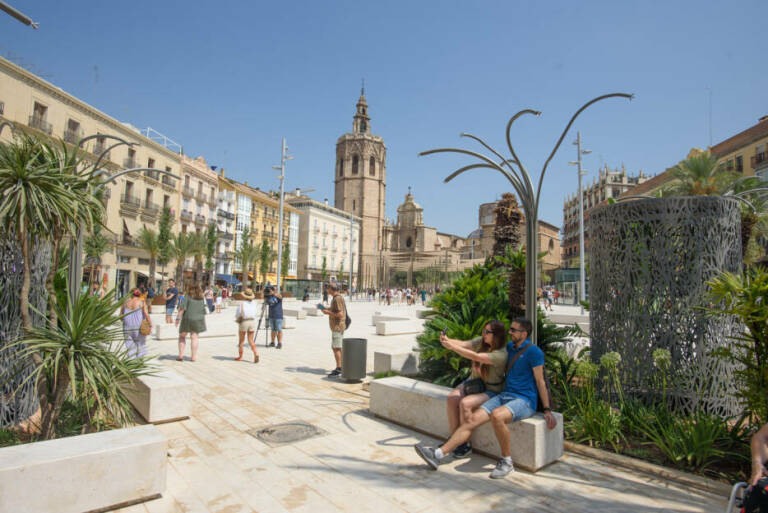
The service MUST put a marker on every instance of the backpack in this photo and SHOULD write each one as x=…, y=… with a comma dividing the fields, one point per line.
x=756, y=498
x=347, y=321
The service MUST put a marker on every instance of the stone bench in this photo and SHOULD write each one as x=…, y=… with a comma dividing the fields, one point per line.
x=84, y=473
x=399, y=327
x=299, y=313
x=381, y=317
x=406, y=363
x=164, y=397
x=421, y=406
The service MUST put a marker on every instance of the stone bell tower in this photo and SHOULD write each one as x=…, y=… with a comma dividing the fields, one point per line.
x=360, y=188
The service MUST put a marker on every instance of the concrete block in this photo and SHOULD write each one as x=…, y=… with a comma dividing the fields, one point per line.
x=399, y=327
x=406, y=364
x=299, y=313
x=83, y=473
x=381, y=317
x=164, y=397
x=421, y=406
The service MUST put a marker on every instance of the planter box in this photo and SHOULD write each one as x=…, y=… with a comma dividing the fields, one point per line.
x=83, y=473
x=421, y=406
x=406, y=364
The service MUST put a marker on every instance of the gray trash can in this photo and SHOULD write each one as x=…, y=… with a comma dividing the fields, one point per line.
x=354, y=352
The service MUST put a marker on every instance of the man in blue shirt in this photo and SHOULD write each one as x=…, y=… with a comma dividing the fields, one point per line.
x=275, y=302
x=523, y=385
x=171, y=297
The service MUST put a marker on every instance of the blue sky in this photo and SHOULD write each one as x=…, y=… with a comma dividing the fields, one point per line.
x=229, y=79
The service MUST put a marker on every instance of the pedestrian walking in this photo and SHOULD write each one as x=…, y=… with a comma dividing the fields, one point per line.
x=245, y=317
x=218, y=293
x=209, y=298
x=191, y=320
x=337, y=317
x=134, y=312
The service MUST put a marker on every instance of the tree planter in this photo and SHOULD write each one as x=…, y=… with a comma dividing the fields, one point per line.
x=84, y=473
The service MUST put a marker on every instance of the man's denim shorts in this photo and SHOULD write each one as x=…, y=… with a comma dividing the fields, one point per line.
x=519, y=407
x=276, y=325
x=169, y=310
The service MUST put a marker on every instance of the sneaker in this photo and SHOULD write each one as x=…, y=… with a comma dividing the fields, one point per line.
x=279, y=345
x=502, y=469
x=271, y=344
x=462, y=451
x=428, y=455
x=334, y=373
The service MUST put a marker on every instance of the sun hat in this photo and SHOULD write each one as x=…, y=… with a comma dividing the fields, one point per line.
x=248, y=294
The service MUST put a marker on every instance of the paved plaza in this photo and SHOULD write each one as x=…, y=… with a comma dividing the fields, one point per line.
x=360, y=463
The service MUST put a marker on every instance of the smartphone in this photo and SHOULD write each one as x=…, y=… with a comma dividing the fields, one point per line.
x=444, y=332
x=321, y=306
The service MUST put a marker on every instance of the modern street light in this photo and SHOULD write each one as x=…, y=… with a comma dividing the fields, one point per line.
x=516, y=173
x=20, y=16
x=582, y=278
x=281, y=168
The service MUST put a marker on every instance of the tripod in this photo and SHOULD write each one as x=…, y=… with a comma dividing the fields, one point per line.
x=266, y=328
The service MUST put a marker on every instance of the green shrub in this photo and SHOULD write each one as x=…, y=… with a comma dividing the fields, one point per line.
x=385, y=374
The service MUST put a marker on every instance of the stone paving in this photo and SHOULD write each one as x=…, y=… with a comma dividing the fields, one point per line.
x=360, y=464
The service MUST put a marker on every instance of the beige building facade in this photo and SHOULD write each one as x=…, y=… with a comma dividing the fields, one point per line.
x=136, y=200
x=745, y=153
x=325, y=234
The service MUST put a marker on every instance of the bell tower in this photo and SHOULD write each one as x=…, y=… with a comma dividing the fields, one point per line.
x=360, y=181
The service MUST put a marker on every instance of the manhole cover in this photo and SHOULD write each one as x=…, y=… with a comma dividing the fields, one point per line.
x=287, y=433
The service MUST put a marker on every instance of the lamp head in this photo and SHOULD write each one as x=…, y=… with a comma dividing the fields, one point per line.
x=586, y=152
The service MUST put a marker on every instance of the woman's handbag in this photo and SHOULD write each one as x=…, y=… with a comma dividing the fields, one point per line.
x=145, y=329
x=474, y=386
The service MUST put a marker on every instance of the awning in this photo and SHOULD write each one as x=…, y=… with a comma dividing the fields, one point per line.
x=228, y=278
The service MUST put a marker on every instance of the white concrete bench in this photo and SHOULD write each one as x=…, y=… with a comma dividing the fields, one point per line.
x=421, y=406
x=312, y=311
x=399, y=327
x=299, y=313
x=406, y=363
x=381, y=317
x=164, y=397
x=84, y=473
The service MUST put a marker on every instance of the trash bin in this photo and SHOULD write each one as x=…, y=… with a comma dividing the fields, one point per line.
x=354, y=352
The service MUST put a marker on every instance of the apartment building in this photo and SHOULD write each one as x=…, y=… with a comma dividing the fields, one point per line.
x=136, y=200
x=745, y=153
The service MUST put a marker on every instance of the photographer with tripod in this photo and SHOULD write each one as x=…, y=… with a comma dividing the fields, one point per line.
x=275, y=302
x=245, y=316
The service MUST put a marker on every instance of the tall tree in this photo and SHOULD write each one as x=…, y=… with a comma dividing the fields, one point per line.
x=699, y=175
x=165, y=239
x=507, y=252
x=323, y=270
x=247, y=254
x=181, y=247
x=266, y=257
x=210, y=249
x=149, y=242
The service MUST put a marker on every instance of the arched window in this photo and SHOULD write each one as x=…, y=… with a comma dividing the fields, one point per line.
x=372, y=167
x=355, y=161
x=341, y=167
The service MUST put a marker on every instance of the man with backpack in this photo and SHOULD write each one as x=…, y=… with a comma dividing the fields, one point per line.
x=524, y=386
x=337, y=319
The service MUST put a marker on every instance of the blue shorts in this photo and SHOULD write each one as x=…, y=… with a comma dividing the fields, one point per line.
x=169, y=310
x=276, y=325
x=519, y=407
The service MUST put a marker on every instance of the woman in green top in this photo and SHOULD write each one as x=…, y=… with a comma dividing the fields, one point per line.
x=488, y=354
x=191, y=320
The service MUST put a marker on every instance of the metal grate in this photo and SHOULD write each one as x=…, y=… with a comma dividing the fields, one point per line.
x=287, y=433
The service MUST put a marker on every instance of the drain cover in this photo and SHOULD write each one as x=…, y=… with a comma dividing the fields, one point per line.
x=287, y=433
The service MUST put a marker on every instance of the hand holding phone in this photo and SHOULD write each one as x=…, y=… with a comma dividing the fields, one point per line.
x=321, y=306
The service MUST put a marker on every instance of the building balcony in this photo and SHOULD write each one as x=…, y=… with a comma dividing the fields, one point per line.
x=130, y=163
x=99, y=148
x=223, y=256
x=73, y=136
x=167, y=180
x=40, y=124
x=758, y=158
x=202, y=197
x=188, y=191
x=226, y=215
x=211, y=201
x=199, y=219
x=150, y=208
x=316, y=229
x=128, y=241
x=153, y=176
x=186, y=215
x=224, y=235
x=270, y=236
x=126, y=200
x=316, y=245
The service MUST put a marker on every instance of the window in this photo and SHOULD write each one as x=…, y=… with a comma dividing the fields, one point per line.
x=372, y=167
x=739, y=164
x=729, y=165
x=128, y=189
x=355, y=161
x=341, y=167
x=353, y=205
x=186, y=180
x=143, y=261
x=314, y=260
x=148, y=197
x=39, y=111
x=72, y=133
x=151, y=163
x=166, y=201
x=125, y=260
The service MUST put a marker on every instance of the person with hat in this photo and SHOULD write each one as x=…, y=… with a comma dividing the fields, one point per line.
x=245, y=316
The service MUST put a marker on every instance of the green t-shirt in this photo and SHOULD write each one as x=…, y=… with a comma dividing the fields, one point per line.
x=494, y=380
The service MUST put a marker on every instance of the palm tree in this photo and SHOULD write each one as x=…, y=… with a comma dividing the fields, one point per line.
x=508, y=219
x=699, y=175
x=210, y=249
x=94, y=246
x=164, y=238
x=181, y=248
x=247, y=254
x=149, y=242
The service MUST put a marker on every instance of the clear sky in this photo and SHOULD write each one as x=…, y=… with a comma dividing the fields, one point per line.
x=229, y=79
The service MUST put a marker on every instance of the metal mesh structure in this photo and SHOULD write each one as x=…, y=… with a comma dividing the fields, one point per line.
x=15, y=407
x=648, y=266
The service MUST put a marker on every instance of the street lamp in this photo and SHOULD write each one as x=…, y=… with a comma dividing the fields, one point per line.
x=281, y=168
x=582, y=279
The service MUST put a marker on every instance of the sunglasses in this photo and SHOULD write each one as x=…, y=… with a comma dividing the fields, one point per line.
x=487, y=332
x=515, y=330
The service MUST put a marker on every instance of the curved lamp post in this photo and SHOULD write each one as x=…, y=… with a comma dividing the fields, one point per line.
x=516, y=173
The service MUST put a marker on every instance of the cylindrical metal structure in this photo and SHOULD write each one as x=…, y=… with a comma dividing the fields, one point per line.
x=354, y=352
x=280, y=220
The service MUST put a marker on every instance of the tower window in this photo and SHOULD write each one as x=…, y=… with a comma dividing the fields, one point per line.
x=341, y=167
x=372, y=167
x=353, y=205
x=355, y=161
